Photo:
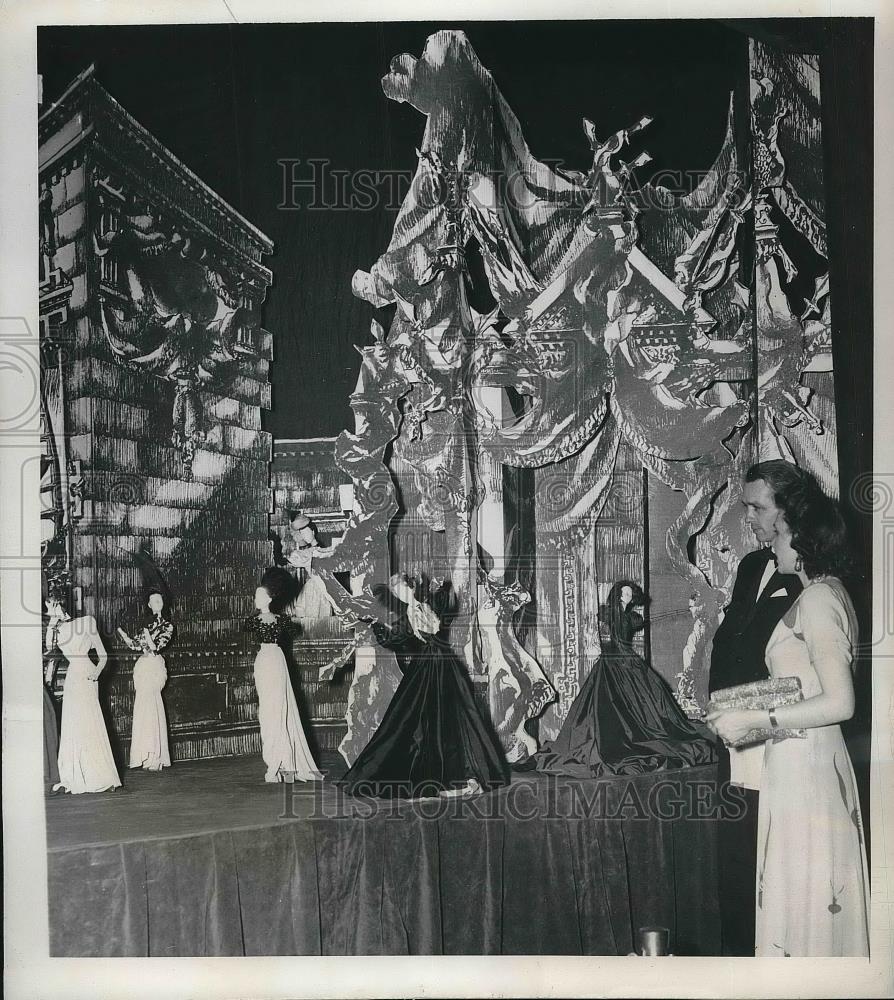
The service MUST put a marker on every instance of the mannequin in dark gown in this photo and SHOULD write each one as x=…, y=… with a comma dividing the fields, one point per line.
x=433, y=738
x=50, y=727
x=625, y=719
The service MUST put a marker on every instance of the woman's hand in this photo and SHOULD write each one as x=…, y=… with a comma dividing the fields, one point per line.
x=130, y=643
x=731, y=726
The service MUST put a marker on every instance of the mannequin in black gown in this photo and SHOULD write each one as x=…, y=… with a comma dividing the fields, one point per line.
x=625, y=719
x=433, y=739
x=50, y=726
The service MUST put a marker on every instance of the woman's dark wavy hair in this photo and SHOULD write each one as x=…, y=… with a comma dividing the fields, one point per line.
x=439, y=594
x=612, y=611
x=147, y=616
x=281, y=586
x=819, y=534
x=62, y=597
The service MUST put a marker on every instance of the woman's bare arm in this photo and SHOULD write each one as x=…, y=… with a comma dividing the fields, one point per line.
x=824, y=625
x=823, y=622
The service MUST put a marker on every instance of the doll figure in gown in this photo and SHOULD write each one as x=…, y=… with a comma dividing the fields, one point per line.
x=50, y=726
x=283, y=744
x=299, y=548
x=149, y=732
x=85, y=757
x=625, y=719
x=433, y=738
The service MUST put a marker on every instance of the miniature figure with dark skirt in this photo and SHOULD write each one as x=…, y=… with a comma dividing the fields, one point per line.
x=625, y=719
x=51, y=782
x=433, y=739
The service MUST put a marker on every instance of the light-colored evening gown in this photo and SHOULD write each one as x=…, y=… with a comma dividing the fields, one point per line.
x=86, y=763
x=812, y=885
x=283, y=743
x=149, y=732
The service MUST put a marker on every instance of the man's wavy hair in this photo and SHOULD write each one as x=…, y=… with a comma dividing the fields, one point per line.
x=819, y=534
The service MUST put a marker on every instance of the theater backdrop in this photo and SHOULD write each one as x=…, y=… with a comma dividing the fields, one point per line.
x=512, y=305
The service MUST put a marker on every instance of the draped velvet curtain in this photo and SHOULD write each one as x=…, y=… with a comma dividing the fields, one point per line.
x=528, y=870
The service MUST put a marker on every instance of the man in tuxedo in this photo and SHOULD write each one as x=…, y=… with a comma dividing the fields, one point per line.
x=761, y=596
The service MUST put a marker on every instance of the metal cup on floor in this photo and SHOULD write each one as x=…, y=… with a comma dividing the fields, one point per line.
x=654, y=941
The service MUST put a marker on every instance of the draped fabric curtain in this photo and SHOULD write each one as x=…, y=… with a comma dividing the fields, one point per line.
x=692, y=328
x=548, y=868
x=796, y=389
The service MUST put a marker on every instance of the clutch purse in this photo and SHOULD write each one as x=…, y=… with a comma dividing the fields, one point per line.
x=764, y=695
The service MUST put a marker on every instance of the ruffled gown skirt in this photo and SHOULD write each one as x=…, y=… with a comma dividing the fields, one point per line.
x=283, y=743
x=86, y=763
x=149, y=734
x=433, y=736
x=624, y=721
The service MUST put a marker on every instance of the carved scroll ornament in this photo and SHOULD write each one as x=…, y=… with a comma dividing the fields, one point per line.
x=168, y=307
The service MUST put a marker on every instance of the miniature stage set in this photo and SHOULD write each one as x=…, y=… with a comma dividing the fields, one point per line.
x=567, y=374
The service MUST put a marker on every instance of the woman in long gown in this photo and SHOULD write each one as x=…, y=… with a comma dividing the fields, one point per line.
x=283, y=744
x=625, y=719
x=50, y=727
x=300, y=547
x=812, y=886
x=433, y=739
x=149, y=731
x=85, y=757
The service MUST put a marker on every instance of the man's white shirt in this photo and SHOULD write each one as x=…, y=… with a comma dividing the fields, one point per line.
x=746, y=764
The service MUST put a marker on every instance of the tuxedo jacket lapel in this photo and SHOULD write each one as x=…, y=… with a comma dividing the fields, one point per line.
x=739, y=646
x=754, y=581
x=776, y=582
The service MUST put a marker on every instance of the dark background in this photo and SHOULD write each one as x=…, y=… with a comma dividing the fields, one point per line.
x=232, y=100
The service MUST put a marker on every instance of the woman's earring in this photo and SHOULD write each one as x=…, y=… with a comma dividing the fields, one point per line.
x=799, y=565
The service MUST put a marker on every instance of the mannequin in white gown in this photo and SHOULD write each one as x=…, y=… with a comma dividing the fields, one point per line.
x=149, y=732
x=284, y=746
x=85, y=756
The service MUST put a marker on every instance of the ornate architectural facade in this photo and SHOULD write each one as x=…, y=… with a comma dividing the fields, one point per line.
x=155, y=373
